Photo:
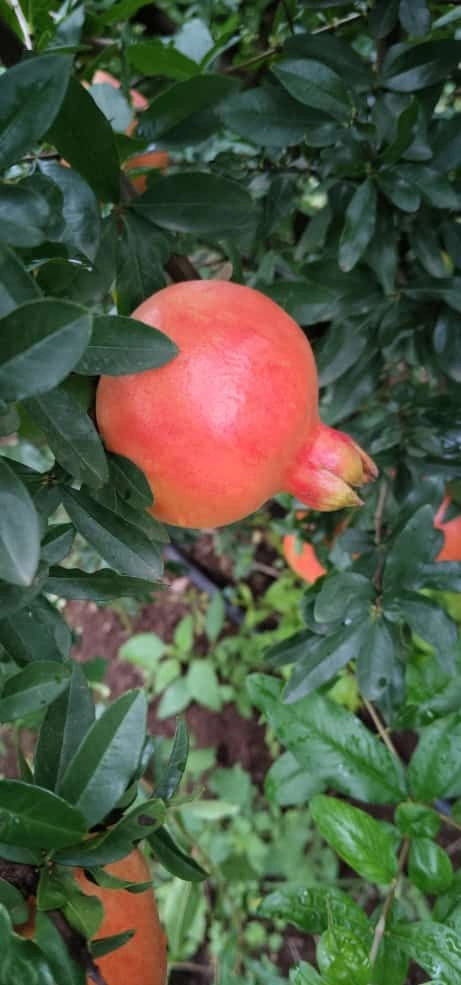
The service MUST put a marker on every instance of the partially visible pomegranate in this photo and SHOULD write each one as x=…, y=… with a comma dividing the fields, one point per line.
x=451, y=529
x=233, y=419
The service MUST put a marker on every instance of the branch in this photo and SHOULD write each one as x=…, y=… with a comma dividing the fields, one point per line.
x=380, y=928
x=382, y=731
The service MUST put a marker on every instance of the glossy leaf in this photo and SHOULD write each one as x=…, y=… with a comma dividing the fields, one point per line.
x=174, y=769
x=81, y=231
x=179, y=103
x=16, y=285
x=105, y=761
x=37, y=818
x=359, y=226
x=65, y=725
x=364, y=843
x=173, y=858
x=30, y=97
x=435, y=767
x=269, y=117
x=121, y=345
x=196, y=202
x=97, y=586
x=314, y=84
x=19, y=529
x=71, y=435
x=40, y=343
x=408, y=68
x=429, y=867
x=155, y=58
x=32, y=689
x=314, y=909
x=119, y=543
x=433, y=946
x=331, y=742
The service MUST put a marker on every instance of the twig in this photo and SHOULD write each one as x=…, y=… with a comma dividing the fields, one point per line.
x=288, y=16
x=17, y=10
x=454, y=847
x=337, y=22
x=450, y=821
x=379, y=512
x=382, y=731
x=380, y=928
x=263, y=56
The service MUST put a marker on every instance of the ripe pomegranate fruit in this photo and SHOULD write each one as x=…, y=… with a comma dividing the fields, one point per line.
x=142, y=960
x=156, y=159
x=451, y=550
x=302, y=557
x=233, y=418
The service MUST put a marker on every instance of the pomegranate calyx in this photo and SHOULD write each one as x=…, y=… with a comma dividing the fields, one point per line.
x=326, y=469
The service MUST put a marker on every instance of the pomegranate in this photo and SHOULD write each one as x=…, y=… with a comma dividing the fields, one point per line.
x=233, y=418
x=451, y=529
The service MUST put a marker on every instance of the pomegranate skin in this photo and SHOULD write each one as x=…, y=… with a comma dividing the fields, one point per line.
x=233, y=418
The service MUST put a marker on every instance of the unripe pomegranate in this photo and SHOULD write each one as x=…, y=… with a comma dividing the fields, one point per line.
x=233, y=418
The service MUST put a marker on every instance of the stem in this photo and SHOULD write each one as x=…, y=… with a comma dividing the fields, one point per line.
x=338, y=22
x=17, y=10
x=382, y=731
x=384, y=489
x=380, y=928
x=263, y=55
x=450, y=821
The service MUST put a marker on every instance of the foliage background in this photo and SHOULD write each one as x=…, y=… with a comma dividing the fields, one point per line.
x=314, y=154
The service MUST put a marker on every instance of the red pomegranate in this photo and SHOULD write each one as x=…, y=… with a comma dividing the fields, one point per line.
x=233, y=418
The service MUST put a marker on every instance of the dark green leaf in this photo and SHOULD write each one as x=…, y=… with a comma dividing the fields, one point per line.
x=14, y=902
x=173, y=858
x=158, y=59
x=383, y=17
x=86, y=140
x=30, y=212
x=32, y=689
x=98, y=586
x=331, y=743
x=142, y=249
x=415, y=17
x=364, y=843
x=323, y=661
x=19, y=529
x=429, y=867
x=120, y=543
x=334, y=52
x=359, y=226
x=416, y=544
x=447, y=343
x=14, y=598
x=40, y=343
x=429, y=621
x=406, y=130
x=16, y=285
x=37, y=818
x=121, y=345
x=31, y=94
x=65, y=725
x=316, y=85
x=51, y=942
x=174, y=769
x=104, y=763
x=343, y=596
x=435, y=188
x=267, y=116
x=57, y=542
x=71, y=435
x=435, y=767
x=399, y=190
x=409, y=67
x=376, y=659
x=198, y=203
x=172, y=113
x=37, y=632
x=80, y=210
x=116, y=842
x=130, y=482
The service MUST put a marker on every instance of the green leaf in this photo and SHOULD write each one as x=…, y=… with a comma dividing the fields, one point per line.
x=57, y=542
x=19, y=529
x=446, y=342
x=417, y=821
x=104, y=763
x=409, y=67
x=314, y=84
x=417, y=543
x=376, y=660
x=86, y=140
x=31, y=94
x=143, y=649
x=130, y=482
x=120, y=543
x=67, y=721
x=115, y=842
x=16, y=285
x=383, y=17
x=364, y=843
x=406, y=130
x=173, y=858
x=203, y=685
x=104, y=945
x=121, y=345
x=52, y=944
x=435, y=188
x=415, y=17
x=37, y=818
x=97, y=586
x=435, y=767
x=80, y=210
x=269, y=117
x=198, y=203
x=159, y=59
x=333, y=51
x=315, y=909
x=331, y=743
x=215, y=617
x=71, y=435
x=14, y=902
x=14, y=598
x=359, y=226
x=172, y=115
x=347, y=595
x=40, y=343
x=30, y=212
x=429, y=621
x=142, y=249
x=323, y=660
x=174, y=769
x=429, y=867
x=400, y=191
x=287, y=782
x=32, y=689
x=175, y=699
x=432, y=946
